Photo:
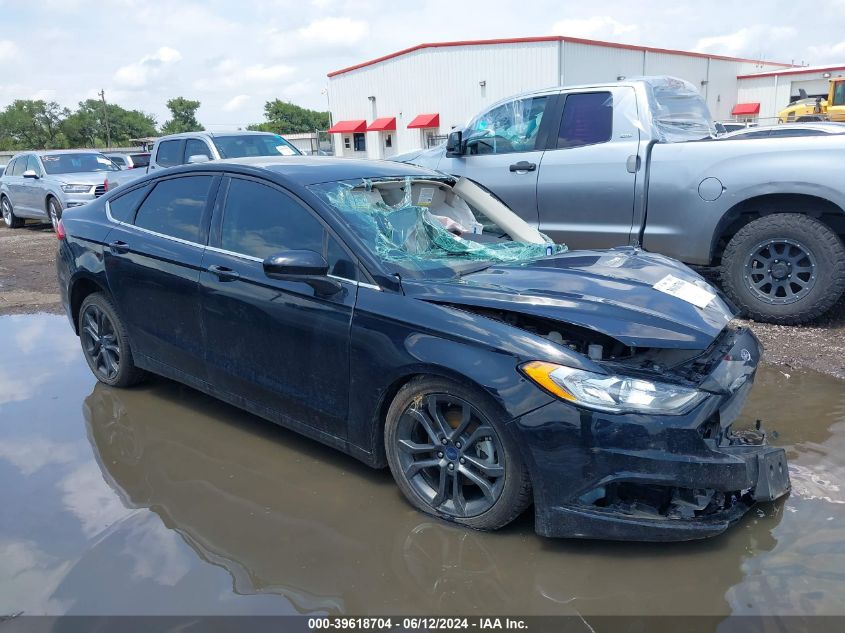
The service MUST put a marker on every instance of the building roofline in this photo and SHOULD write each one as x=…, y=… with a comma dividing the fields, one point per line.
x=793, y=71
x=551, y=38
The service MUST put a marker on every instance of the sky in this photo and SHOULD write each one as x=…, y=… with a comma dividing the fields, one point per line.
x=235, y=56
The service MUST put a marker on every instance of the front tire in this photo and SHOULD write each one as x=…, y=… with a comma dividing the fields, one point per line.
x=9, y=217
x=54, y=211
x=452, y=457
x=105, y=344
x=784, y=268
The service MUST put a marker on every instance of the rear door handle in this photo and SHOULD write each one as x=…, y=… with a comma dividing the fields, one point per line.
x=223, y=273
x=523, y=165
x=118, y=247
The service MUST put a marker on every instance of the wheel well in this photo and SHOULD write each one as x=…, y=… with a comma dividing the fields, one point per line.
x=47, y=201
x=80, y=290
x=760, y=206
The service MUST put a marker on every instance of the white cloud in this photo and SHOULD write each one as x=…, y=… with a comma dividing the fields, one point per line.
x=600, y=26
x=754, y=41
x=235, y=103
x=140, y=73
x=32, y=454
x=828, y=53
x=8, y=51
x=334, y=30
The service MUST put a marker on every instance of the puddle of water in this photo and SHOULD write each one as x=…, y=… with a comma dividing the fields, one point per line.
x=161, y=500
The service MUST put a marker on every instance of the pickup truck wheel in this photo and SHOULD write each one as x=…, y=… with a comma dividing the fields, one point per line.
x=451, y=456
x=784, y=268
x=9, y=217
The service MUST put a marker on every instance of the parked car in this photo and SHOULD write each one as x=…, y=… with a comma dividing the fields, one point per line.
x=200, y=147
x=130, y=161
x=602, y=165
x=412, y=320
x=41, y=185
x=787, y=129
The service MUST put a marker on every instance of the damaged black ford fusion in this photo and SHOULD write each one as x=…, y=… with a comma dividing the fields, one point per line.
x=414, y=321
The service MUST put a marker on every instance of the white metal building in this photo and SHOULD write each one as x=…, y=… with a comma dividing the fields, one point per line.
x=766, y=93
x=413, y=97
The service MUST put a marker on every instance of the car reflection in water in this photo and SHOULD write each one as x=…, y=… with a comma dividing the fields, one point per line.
x=285, y=515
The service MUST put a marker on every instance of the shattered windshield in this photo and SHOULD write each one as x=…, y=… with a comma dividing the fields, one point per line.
x=423, y=227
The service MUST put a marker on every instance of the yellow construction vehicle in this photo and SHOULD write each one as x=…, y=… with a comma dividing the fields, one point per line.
x=818, y=109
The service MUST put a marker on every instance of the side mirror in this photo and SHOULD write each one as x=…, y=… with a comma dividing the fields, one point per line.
x=305, y=266
x=198, y=158
x=455, y=144
x=30, y=173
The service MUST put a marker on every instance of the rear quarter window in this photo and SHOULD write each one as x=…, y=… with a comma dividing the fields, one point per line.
x=122, y=208
x=175, y=207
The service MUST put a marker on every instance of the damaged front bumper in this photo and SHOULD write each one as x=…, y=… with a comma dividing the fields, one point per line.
x=653, y=478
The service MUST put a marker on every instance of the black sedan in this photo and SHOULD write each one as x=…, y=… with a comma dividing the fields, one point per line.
x=413, y=321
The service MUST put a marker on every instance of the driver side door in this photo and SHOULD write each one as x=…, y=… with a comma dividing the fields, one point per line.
x=503, y=150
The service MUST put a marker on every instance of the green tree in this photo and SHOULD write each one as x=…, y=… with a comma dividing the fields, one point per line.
x=284, y=117
x=32, y=124
x=183, y=114
x=87, y=127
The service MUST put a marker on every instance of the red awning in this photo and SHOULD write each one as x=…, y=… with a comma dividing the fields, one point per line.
x=426, y=120
x=746, y=108
x=348, y=127
x=386, y=124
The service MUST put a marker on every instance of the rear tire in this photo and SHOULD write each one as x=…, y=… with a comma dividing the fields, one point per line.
x=785, y=268
x=105, y=343
x=9, y=217
x=452, y=457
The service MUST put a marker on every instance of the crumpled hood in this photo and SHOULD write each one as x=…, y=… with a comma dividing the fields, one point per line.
x=609, y=291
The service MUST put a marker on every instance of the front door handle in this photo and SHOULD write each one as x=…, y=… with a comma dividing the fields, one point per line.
x=223, y=273
x=523, y=165
x=119, y=247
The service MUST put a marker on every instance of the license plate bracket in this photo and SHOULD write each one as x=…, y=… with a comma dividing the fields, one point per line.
x=772, y=475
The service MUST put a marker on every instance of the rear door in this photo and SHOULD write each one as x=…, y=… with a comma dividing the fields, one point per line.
x=503, y=150
x=14, y=180
x=279, y=344
x=152, y=260
x=585, y=187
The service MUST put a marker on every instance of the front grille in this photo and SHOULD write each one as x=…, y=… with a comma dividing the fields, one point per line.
x=99, y=190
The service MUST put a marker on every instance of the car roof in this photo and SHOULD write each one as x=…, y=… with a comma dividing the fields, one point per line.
x=309, y=170
x=213, y=134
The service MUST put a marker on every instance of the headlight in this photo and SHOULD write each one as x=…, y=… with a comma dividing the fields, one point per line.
x=618, y=394
x=76, y=188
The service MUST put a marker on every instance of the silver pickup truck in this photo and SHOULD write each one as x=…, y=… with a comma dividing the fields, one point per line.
x=637, y=162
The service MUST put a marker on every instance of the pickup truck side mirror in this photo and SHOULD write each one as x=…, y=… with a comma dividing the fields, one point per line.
x=193, y=159
x=30, y=173
x=455, y=144
x=306, y=266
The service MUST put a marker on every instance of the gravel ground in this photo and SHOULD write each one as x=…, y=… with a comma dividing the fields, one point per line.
x=28, y=285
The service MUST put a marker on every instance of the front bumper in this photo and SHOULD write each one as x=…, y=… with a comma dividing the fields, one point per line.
x=652, y=478
x=70, y=200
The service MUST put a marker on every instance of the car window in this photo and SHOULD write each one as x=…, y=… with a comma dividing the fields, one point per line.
x=807, y=132
x=76, y=163
x=758, y=134
x=259, y=220
x=510, y=127
x=175, y=207
x=196, y=147
x=839, y=94
x=587, y=120
x=118, y=160
x=32, y=164
x=340, y=263
x=140, y=160
x=122, y=208
x=167, y=154
x=12, y=168
x=242, y=145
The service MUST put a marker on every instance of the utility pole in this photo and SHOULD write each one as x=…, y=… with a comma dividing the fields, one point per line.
x=102, y=94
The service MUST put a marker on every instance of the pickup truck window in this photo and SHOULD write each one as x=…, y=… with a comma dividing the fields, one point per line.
x=507, y=128
x=196, y=147
x=167, y=154
x=587, y=120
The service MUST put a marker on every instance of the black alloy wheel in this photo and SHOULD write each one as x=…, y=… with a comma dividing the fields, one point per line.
x=450, y=455
x=99, y=342
x=780, y=271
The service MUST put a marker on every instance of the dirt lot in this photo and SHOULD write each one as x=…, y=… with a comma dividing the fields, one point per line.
x=28, y=284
